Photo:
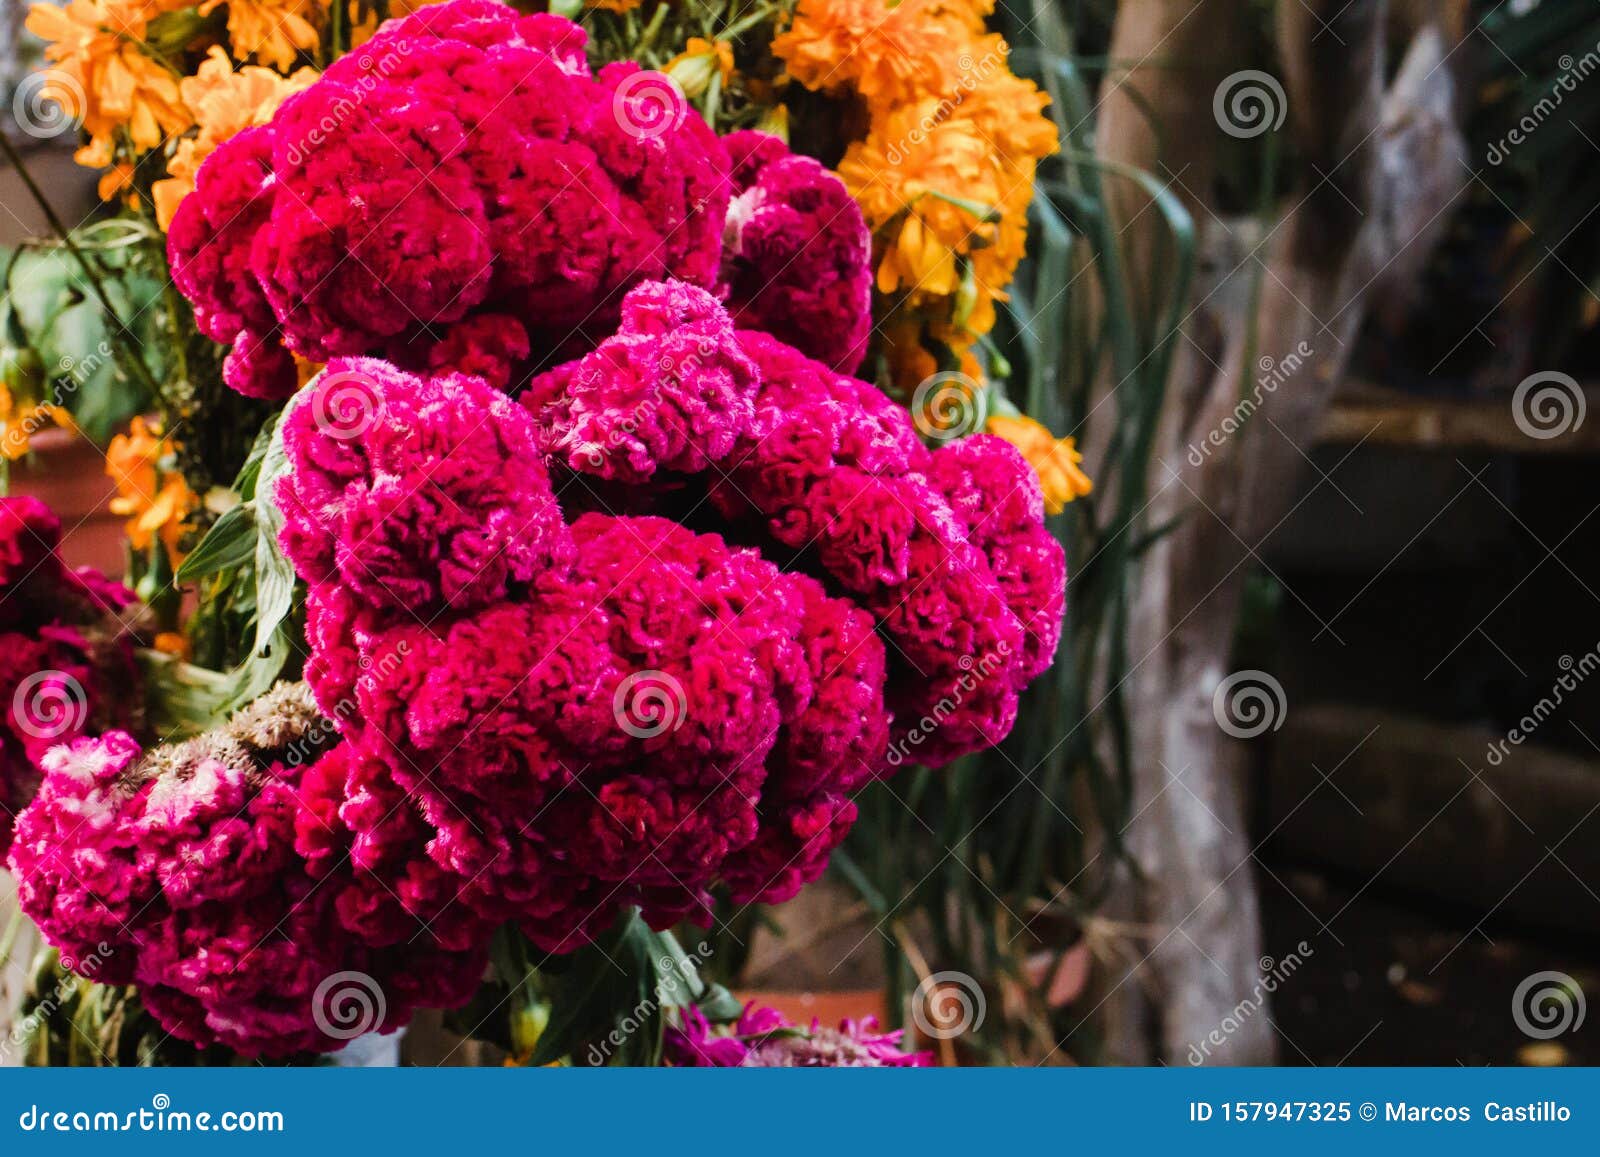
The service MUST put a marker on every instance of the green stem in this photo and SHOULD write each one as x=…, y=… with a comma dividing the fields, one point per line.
x=745, y=23
x=125, y=338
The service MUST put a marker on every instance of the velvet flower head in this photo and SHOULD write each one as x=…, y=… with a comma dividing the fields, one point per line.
x=590, y=704
x=459, y=191
x=66, y=655
x=182, y=870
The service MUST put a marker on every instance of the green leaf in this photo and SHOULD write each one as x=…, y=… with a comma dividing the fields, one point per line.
x=719, y=1006
x=274, y=575
x=230, y=542
x=605, y=1007
x=245, y=483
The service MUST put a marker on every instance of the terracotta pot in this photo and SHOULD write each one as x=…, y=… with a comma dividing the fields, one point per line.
x=828, y=1007
x=68, y=472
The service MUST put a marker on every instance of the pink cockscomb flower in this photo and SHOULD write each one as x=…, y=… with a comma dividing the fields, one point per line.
x=205, y=874
x=464, y=165
x=66, y=656
x=586, y=710
x=797, y=255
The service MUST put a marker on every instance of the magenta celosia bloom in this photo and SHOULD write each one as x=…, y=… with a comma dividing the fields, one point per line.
x=624, y=734
x=212, y=875
x=670, y=391
x=66, y=661
x=621, y=710
x=764, y=1038
x=464, y=165
x=417, y=495
x=797, y=258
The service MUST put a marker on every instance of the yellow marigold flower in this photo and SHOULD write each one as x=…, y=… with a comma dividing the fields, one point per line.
x=917, y=187
x=155, y=507
x=945, y=186
x=1055, y=460
x=17, y=427
x=700, y=60
x=224, y=102
x=101, y=76
x=272, y=31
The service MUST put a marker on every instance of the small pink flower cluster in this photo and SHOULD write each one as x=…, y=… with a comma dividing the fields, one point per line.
x=199, y=873
x=622, y=709
x=763, y=1038
x=62, y=648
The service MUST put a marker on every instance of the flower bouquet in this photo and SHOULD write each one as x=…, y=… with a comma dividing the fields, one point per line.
x=564, y=487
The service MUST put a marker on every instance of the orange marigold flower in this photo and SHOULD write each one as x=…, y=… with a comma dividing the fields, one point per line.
x=925, y=193
x=272, y=31
x=171, y=643
x=613, y=5
x=890, y=53
x=224, y=102
x=117, y=179
x=155, y=506
x=945, y=173
x=1055, y=460
x=102, y=76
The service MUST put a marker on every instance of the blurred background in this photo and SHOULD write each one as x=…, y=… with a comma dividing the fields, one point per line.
x=1313, y=283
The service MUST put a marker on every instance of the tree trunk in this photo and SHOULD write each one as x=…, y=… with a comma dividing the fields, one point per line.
x=1377, y=171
